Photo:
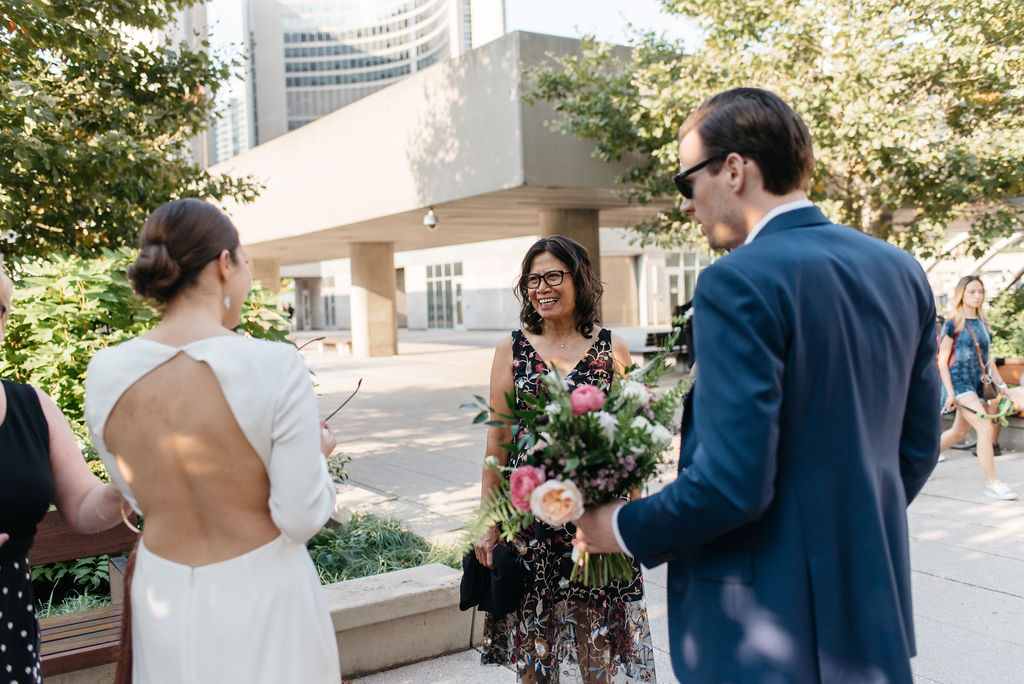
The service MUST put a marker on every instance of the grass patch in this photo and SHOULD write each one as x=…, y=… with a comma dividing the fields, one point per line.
x=368, y=545
x=73, y=604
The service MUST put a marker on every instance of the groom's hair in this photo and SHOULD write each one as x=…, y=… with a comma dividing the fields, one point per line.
x=758, y=125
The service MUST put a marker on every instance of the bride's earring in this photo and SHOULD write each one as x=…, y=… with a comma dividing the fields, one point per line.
x=227, y=301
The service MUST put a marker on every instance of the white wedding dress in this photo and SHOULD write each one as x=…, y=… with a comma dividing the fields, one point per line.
x=261, y=616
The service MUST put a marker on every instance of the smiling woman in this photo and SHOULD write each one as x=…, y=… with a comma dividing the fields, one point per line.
x=560, y=630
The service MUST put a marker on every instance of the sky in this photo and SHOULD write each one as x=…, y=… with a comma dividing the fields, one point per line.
x=606, y=19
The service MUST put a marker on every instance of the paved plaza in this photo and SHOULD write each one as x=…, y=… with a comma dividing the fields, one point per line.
x=416, y=456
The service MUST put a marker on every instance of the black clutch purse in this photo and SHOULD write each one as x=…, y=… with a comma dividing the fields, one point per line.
x=495, y=591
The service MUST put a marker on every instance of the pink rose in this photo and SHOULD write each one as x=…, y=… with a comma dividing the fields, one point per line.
x=586, y=398
x=523, y=481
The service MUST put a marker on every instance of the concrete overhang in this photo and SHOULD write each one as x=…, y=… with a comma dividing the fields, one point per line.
x=456, y=137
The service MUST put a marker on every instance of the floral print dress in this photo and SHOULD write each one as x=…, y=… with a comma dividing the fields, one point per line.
x=564, y=631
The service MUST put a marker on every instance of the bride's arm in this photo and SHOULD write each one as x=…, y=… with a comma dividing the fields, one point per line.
x=302, y=494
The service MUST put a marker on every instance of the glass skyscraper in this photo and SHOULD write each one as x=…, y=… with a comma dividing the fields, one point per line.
x=305, y=59
x=337, y=51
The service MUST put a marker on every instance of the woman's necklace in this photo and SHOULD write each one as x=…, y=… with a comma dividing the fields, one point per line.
x=561, y=345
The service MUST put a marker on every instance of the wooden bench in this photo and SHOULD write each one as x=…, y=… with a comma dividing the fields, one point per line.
x=81, y=640
x=338, y=344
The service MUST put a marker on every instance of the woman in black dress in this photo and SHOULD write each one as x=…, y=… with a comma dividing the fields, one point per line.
x=40, y=463
x=562, y=631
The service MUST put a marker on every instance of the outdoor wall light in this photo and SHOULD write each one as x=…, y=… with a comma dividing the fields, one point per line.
x=430, y=220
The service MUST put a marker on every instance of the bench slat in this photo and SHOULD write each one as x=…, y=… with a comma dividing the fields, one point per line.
x=80, y=640
x=55, y=541
x=72, y=620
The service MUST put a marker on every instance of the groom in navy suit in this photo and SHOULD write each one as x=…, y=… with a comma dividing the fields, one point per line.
x=812, y=424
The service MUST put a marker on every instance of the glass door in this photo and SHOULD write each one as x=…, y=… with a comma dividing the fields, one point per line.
x=444, y=296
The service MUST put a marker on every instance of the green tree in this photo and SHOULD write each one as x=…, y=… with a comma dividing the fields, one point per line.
x=916, y=107
x=1006, y=315
x=96, y=112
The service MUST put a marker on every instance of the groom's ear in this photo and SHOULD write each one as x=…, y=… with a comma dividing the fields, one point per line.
x=743, y=173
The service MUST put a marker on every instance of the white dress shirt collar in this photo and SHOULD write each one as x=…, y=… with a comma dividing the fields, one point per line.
x=781, y=209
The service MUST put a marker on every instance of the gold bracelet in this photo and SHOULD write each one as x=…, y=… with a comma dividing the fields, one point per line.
x=127, y=522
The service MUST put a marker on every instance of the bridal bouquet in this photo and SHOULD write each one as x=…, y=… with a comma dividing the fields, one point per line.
x=583, y=446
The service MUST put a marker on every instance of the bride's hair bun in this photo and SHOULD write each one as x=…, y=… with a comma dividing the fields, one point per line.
x=178, y=240
x=154, y=273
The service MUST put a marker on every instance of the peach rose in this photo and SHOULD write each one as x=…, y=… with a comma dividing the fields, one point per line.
x=522, y=482
x=586, y=398
x=557, y=502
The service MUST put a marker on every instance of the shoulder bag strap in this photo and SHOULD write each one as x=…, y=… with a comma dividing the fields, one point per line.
x=977, y=348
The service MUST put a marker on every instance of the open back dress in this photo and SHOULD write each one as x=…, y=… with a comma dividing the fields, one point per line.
x=260, y=616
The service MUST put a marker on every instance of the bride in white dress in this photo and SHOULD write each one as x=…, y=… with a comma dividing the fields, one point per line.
x=214, y=439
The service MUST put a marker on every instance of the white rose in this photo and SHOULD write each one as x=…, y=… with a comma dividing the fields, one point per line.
x=636, y=392
x=491, y=463
x=556, y=502
x=661, y=436
x=608, y=424
x=640, y=423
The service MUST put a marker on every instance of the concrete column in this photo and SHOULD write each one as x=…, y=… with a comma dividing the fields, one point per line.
x=579, y=224
x=268, y=272
x=316, y=302
x=374, y=322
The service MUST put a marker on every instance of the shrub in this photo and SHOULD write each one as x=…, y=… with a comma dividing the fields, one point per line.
x=73, y=604
x=1006, y=314
x=63, y=581
x=368, y=545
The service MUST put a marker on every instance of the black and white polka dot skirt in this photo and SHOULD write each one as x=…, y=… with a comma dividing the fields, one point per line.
x=19, y=630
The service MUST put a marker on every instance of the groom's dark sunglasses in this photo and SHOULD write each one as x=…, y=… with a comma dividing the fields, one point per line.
x=686, y=187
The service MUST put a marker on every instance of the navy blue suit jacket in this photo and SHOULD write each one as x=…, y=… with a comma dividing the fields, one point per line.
x=810, y=428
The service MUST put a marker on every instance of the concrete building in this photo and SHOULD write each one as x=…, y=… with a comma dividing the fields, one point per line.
x=470, y=286
x=456, y=139
x=346, y=197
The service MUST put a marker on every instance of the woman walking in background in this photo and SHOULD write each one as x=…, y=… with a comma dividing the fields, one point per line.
x=964, y=360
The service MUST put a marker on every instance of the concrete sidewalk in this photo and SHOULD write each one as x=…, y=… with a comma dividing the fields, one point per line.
x=417, y=457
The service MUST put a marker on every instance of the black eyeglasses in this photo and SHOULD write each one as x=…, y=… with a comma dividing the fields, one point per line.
x=685, y=186
x=531, y=281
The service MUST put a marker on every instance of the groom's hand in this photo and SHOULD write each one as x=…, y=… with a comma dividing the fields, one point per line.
x=3, y=538
x=594, y=530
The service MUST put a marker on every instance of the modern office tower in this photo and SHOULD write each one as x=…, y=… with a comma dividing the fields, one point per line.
x=190, y=27
x=230, y=129
x=307, y=58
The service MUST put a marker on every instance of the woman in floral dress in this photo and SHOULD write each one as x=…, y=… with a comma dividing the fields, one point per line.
x=562, y=631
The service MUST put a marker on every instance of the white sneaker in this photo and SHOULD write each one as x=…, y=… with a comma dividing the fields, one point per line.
x=999, y=490
x=942, y=457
